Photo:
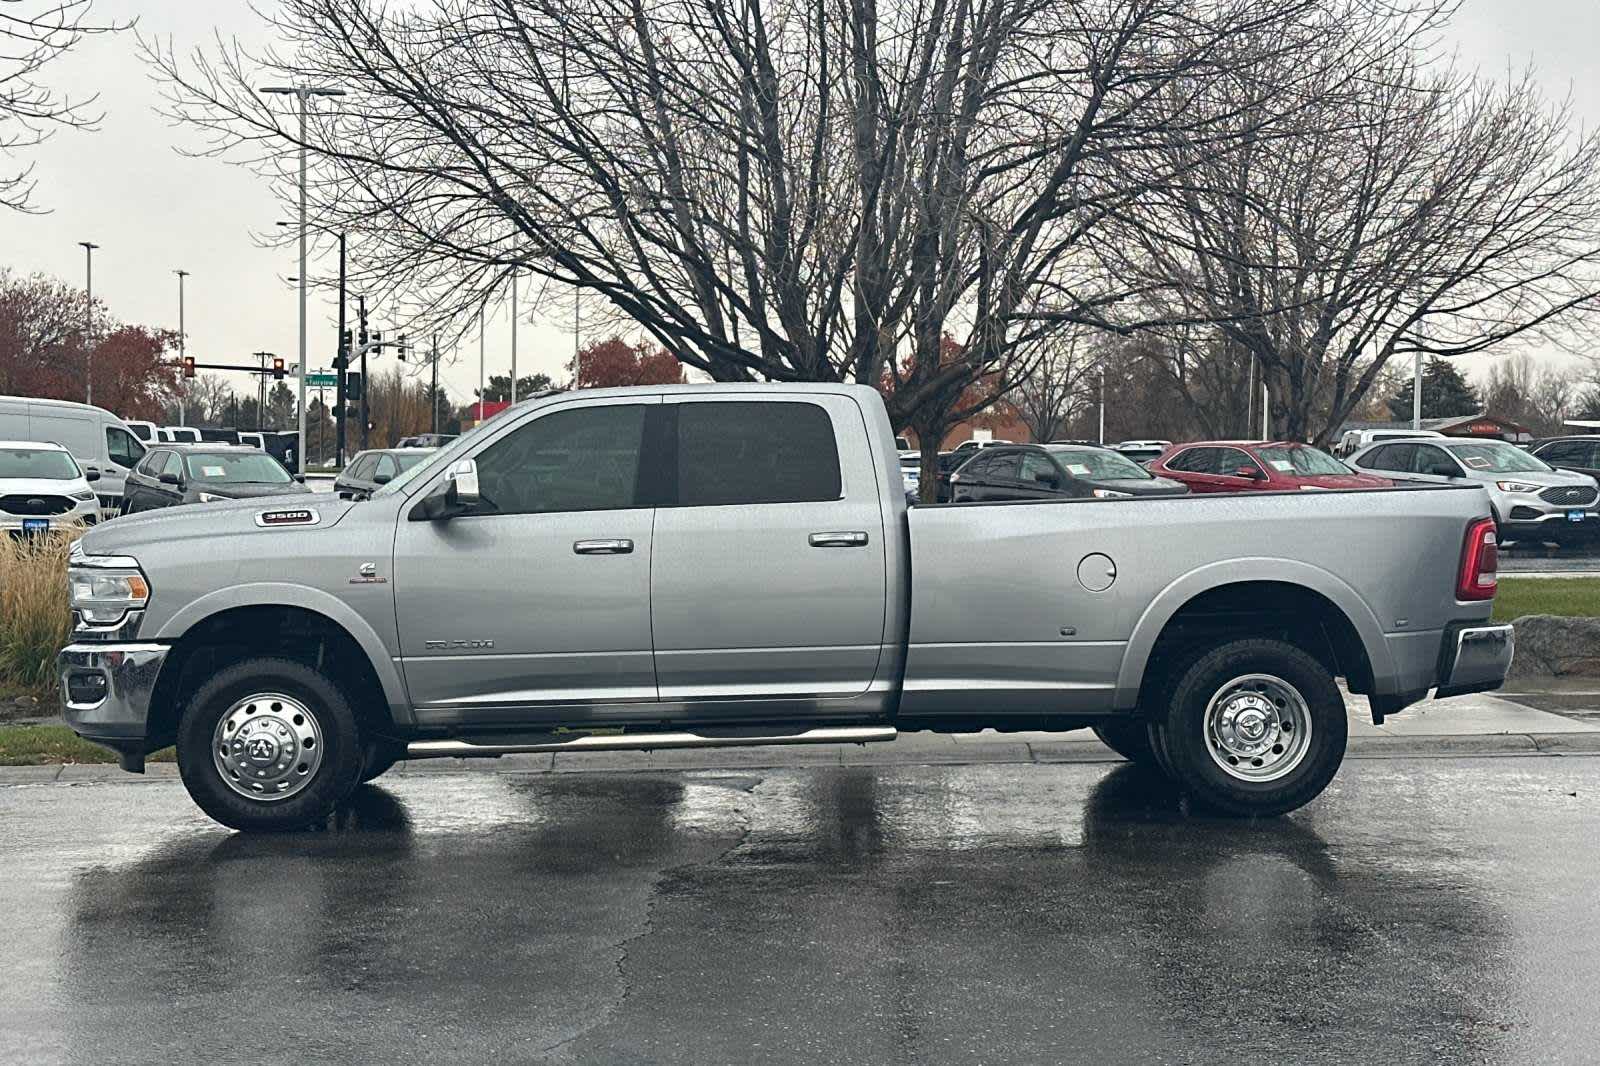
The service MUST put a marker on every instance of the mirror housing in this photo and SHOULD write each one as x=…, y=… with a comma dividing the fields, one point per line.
x=455, y=496
x=91, y=475
x=169, y=479
x=1250, y=473
x=382, y=479
x=1047, y=479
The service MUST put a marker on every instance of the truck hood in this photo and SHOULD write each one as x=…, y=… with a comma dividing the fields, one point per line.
x=201, y=520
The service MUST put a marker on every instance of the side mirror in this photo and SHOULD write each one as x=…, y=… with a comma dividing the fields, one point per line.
x=382, y=479
x=169, y=479
x=1047, y=479
x=457, y=495
x=1250, y=473
x=300, y=478
x=91, y=474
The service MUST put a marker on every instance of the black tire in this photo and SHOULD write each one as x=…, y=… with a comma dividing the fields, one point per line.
x=1129, y=739
x=1305, y=761
x=330, y=776
x=379, y=756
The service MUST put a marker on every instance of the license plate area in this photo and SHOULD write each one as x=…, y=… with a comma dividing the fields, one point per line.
x=35, y=525
x=1575, y=516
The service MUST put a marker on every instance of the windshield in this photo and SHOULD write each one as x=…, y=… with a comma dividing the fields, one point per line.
x=1301, y=462
x=44, y=463
x=1098, y=464
x=236, y=468
x=1497, y=457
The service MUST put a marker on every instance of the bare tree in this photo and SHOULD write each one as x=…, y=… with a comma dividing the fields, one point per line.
x=1058, y=385
x=1417, y=209
x=781, y=190
x=33, y=33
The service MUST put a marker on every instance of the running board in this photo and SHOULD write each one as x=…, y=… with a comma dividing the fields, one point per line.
x=459, y=749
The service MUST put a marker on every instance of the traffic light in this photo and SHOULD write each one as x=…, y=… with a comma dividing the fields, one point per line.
x=277, y=368
x=352, y=386
x=342, y=360
x=377, y=340
x=188, y=366
x=402, y=348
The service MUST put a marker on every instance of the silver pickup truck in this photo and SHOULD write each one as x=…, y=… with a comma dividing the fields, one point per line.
x=736, y=564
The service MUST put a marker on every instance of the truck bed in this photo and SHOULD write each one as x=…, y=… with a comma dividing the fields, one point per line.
x=1054, y=607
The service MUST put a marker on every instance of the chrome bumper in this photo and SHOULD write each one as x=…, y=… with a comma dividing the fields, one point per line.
x=1479, y=659
x=106, y=688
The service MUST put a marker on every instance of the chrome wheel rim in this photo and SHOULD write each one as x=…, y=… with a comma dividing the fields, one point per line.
x=1258, y=728
x=268, y=746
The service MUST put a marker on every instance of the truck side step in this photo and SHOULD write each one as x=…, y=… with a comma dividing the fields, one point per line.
x=489, y=747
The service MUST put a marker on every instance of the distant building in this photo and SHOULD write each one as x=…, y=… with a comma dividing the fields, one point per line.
x=482, y=411
x=1482, y=424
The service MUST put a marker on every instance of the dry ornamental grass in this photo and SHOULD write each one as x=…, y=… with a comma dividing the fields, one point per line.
x=35, y=621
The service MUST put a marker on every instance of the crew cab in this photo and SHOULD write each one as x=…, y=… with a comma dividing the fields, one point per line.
x=710, y=565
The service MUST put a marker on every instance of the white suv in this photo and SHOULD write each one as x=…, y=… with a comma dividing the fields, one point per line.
x=41, y=486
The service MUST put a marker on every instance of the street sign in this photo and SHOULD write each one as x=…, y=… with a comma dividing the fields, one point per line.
x=314, y=381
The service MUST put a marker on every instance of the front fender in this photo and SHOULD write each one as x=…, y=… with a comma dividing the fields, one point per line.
x=1171, y=600
x=279, y=594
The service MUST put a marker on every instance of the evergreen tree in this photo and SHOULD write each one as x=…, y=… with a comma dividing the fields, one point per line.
x=1445, y=394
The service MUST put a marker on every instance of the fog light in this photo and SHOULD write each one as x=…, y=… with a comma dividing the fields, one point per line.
x=86, y=687
x=1524, y=514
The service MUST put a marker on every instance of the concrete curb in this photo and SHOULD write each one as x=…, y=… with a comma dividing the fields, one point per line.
x=778, y=758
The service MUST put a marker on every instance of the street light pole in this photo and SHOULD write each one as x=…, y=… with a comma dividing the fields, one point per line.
x=434, y=393
x=304, y=95
x=577, y=331
x=480, y=364
x=1416, y=391
x=513, y=339
x=183, y=387
x=1102, y=404
x=88, y=320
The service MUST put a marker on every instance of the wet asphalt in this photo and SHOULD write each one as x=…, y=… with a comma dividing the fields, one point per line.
x=1424, y=910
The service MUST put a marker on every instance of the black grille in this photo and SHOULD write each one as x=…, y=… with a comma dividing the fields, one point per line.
x=1569, y=495
x=35, y=505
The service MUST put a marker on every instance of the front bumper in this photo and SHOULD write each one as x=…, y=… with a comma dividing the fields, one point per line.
x=106, y=691
x=1475, y=658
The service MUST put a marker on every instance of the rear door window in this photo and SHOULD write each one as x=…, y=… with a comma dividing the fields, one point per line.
x=1229, y=461
x=1038, y=469
x=1195, y=461
x=757, y=452
x=1004, y=466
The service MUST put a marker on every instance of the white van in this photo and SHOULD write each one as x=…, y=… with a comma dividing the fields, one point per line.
x=178, y=435
x=145, y=431
x=98, y=439
x=1356, y=439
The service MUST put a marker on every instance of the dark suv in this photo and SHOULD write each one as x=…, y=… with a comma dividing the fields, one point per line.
x=1571, y=453
x=171, y=474
x=1055, y=471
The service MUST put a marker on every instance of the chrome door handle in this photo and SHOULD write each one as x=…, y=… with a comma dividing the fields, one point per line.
x=617, y=546
x=838, y=539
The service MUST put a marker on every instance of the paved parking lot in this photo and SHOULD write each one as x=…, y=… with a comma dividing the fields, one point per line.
x=1424, y=910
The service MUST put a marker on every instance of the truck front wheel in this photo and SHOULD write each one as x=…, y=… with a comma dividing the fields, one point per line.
x=268, y=744
x=1254, y=727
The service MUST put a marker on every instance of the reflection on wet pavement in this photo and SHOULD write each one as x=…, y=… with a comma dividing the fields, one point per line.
x=1424, y=911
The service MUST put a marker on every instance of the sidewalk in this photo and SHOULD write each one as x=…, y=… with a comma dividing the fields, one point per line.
x=1463, y=726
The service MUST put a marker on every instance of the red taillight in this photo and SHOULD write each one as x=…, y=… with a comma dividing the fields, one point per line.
x=1480, y=562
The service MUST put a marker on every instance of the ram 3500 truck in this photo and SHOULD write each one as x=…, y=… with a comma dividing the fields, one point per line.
x=736, y=564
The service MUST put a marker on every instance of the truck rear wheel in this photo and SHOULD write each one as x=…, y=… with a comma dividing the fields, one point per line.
x=268, y=744
x=1254, y=727
x=1130, y=739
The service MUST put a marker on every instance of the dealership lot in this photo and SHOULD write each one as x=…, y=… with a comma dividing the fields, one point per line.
x=1427, y=909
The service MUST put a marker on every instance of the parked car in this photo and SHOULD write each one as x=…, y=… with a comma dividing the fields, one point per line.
x=372, y=469
x=1354, y=440
x=172, y=474
x=702, y=555
x=41, y=485
x=97, y=439
x=1530, y=499
x=1269, y=466
x=178, y=435
x=1580, y=453
x=911, y=473
x=1054, y=471
x=1143, y=451
x=145, y=431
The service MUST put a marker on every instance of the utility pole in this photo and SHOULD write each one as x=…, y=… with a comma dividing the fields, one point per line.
x=340, y=365
x=513, y=339
x=480, y=363
x=366, y=385
x=183, y=386
x=304, y=94
x=88, y=320
x=577, y=332
x=1416, y=391
x=434, y=393
x=1102, y=403
x=261, y=390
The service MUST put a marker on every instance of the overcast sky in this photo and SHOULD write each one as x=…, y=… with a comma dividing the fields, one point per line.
x=153, y=210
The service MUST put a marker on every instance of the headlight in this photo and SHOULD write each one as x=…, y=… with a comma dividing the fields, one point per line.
x=102, y=595
x=86, y=497
x=1112, y=494
x=211, y=497
x=1517, y=486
